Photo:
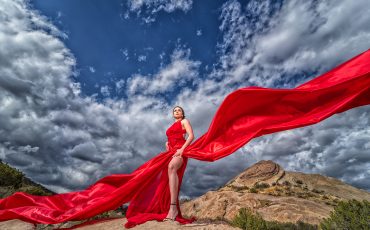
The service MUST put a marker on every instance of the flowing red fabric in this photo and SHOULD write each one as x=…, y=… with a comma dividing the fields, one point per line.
x=244, y=114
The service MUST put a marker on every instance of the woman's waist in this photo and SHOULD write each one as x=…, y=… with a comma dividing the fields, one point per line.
x=176, y=141
x=177, y=137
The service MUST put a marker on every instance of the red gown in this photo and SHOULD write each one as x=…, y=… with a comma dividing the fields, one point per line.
x=147, y=205
x=244, y=114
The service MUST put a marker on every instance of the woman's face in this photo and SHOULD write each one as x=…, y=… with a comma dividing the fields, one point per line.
x=177, y=113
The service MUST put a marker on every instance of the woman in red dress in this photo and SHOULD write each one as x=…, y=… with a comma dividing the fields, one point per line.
x=176, y=139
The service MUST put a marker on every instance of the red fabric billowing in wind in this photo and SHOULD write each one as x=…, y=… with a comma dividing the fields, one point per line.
x=244, y=114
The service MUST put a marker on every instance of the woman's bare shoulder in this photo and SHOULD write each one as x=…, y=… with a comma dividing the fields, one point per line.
x=184, y=121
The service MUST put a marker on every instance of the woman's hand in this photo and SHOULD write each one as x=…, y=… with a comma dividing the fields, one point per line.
x=167, y=147
x=178, y=153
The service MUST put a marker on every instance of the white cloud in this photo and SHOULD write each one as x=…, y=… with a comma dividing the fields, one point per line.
x=158, y=5
x=141, y=58
x=266, y=43
x=105, y=91
x=28, y=149
x=315, y=35
x=152, y=7
x=120, y=85
x=125, y=53
x=59, y=14
x=180, y=71
x=92, y=69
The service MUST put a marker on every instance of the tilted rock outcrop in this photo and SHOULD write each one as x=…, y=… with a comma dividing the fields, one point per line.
x=276, y=194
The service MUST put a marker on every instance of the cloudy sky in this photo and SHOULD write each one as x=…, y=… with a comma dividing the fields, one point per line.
x=87, y=87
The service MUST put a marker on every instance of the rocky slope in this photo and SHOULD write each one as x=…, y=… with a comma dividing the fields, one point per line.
x=276, y=194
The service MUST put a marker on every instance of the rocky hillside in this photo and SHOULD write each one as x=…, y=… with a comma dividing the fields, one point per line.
x=276, y=194
x=12, y=180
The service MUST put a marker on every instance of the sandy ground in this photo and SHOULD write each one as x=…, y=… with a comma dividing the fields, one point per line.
x=118, y=224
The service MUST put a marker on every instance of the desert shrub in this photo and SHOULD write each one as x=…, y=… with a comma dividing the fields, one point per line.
x=107, y=215
x=289, y=193
x=274, y=225
x=238, y=188
x=265, y=203
x=336, y=200
x=301, y=195
x=309, y=194
x=286, y=183
x=103, y=215
x=35, y=191
x=246, y=219
x=350, y=214
x=328, y=203
x=253, y=190
x=122, y=209
x=261, y=185
x=317, y=191
x=299, y=182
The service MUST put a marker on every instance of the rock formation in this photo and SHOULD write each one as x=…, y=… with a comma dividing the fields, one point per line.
x=276, y=194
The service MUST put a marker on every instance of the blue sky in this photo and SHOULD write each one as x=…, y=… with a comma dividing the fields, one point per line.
x=87, y=87
x=111, y=44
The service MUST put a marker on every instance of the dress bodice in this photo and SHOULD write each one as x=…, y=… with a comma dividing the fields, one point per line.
x=175, y=135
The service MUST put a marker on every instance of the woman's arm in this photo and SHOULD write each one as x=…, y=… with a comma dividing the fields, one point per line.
x=167, y=147
x=189, y=131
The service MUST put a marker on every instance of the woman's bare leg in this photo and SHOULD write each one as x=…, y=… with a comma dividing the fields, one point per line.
x=173, y=166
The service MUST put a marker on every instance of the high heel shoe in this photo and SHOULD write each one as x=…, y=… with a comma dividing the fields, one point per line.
x=170, y=219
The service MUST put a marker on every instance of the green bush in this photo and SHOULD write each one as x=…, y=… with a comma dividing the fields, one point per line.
x=103, y=215
x=287, y=183
x=238, y=188
x=246, y=219
x=261, y=185
x=10, y=176
x=317, y=191
x=253, y=190
x=299, y=181
x=107, y=215
x=350, y=214
x=274, y=225
x=33, y=190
